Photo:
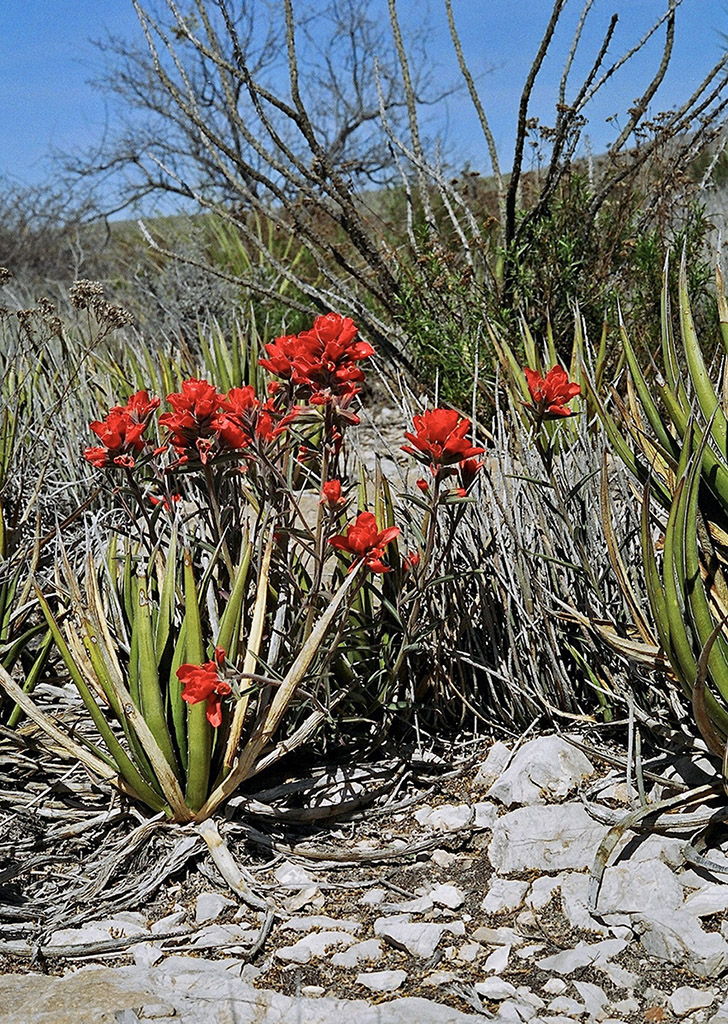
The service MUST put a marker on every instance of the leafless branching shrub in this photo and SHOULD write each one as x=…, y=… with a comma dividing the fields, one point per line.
x=287, y=111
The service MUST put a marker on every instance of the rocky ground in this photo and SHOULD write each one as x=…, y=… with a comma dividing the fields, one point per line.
x=475, y=906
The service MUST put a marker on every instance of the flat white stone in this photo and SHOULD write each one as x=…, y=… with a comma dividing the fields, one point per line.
x=545, y=768
x=313, y=991
x=222, y=935
x=485, y=815
x=370, y=949
x=639, y=887
x=676, y=936
x=469, y=952
x=447, y=896
x=584, y=953
x=147, y=954
x=545, y=838
x=593, y=997
x=495, y=988
x=443, y=858
x=171, y=923
x=686, y=999
x=619, y=976
x=374, y=897
x=493, y=767
x=711, y=899
x=498, y=960
x=437, y=978
x=445, y=818
x=555, y=986
x=629, y=1005
x=315, y=944
x=504, y=896
x=497, y=936
x=209, y=906
x=530, y=951
x=382, y=981
x=543, y=890
x=293, y=876
x=418, y=939
x=567, y=1005
x=331, y=924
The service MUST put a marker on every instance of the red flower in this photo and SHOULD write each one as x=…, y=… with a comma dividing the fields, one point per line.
x=364, y=540
x=201, y=682
x=331, y=494
x=467, y=471
x=321, y=363
x=440, y=439
x=191, y=428
x=244, y=418
x=121, y=432
x=551, y=393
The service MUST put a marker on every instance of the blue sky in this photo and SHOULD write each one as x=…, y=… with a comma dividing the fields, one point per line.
x=46, y=101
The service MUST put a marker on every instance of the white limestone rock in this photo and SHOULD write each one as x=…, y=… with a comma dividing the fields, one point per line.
x=594, y=999
x=313, y=945
x=545, y=768
x=446, y=817
x=493, y=767
x=332, y=924
x=293, y=876
x=447, y=895
x=583, y=954
x=639, y=887
x=545, y=839
x=498, y=960
x=417, y=939
x=495, y=988
x=209, y=906
x=675, y=935
x=686, y=999
x=369, y=950
x=382, y=981
x=710, y=899
x=504, y=896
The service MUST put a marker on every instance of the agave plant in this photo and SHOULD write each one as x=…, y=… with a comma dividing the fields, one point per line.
x=671, y=432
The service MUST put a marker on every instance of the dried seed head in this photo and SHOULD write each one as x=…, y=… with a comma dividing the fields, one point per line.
x=5, y=275
x=86, y=294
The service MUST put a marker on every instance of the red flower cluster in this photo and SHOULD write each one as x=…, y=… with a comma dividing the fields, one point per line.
x=551, y=393
x=121, y=433
x=205, y=423
x=202, y=682
x=365, y=541
x=331, y=494
x=321, y=363
x=439, y=440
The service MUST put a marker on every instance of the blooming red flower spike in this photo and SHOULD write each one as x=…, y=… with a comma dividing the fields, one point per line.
x=551, y=393
x=439, y=439
x=202, y=682
x=121, y=432
x=365, y=540
x=191, y=426
x=331, y=494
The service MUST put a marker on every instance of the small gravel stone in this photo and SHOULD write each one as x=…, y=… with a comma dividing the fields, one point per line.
x=418, y=939
x=316, y=944
x=594, y=998
x=570, y=960
x=312, y=990
x=293, y=876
